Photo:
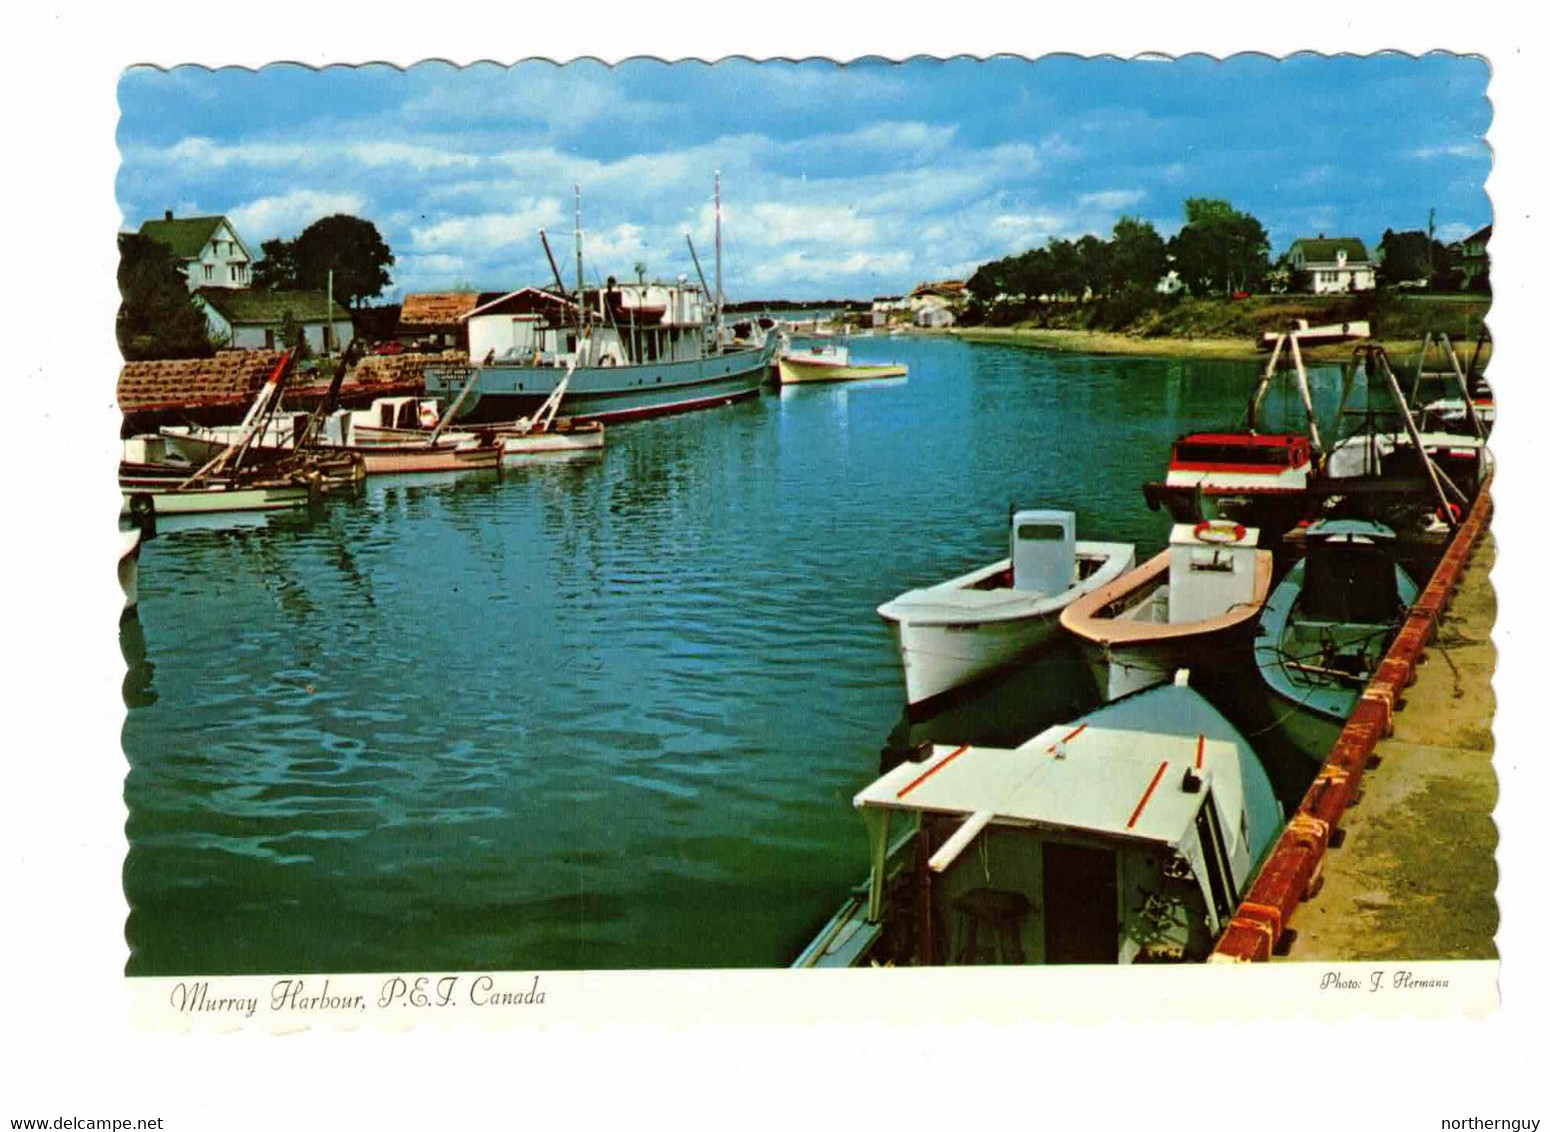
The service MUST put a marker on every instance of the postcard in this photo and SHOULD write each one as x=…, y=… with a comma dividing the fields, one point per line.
x=790, y=543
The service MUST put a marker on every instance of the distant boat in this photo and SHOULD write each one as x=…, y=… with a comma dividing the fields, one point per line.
x=831, y=363
x=1327, y=626
x=1126, y=836
x=955, y=632
x=1193, y=606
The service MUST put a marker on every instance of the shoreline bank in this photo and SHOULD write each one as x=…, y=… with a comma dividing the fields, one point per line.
x=1110, y=343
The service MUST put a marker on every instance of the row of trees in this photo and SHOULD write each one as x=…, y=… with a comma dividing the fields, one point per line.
x=1218, y=249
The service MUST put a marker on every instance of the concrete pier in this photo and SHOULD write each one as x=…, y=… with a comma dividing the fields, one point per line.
x=1415, y=877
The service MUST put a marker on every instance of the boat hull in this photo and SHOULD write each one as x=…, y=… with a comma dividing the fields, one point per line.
x=609, y=393
x=1128, y=655
x=129, y=569
x=946, y=641
x=563, y=442
x=220, y=499
x=387, y=460
x=795, y=372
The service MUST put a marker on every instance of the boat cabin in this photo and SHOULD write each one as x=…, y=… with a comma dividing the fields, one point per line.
x=1240, y=453
x=387, y=418
x=1128, y=837
x=1043, y=551
x=1349, y=576
x=627, y=323
x=1211, y=569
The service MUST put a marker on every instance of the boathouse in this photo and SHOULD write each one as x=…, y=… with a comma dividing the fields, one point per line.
x=209, y=250
x=508, y=324
x=1334, y=265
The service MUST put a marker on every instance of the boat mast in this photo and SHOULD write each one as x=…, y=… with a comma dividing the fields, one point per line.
x=695, y=257
x=718, y=259
x=581, y=291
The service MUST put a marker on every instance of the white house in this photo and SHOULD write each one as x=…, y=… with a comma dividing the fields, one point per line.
x=937, y=304
x=251, y=320
x=211, y=252
x=1334, y=265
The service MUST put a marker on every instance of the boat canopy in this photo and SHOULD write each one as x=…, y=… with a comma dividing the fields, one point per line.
x=1043, y=551
x=1117, y=775
x=1349, y=577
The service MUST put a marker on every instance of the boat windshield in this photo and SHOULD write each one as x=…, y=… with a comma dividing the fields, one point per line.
x=1350, y=582
x=1215, y=452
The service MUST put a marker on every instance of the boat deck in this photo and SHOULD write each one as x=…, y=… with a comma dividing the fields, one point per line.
x=1415, y=877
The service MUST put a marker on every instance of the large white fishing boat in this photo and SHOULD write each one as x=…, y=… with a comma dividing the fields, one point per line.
x=1127, y=836
x=650, y=348
x=965, y=628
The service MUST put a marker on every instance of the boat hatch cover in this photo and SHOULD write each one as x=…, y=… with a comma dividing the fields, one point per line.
x=1119, y=783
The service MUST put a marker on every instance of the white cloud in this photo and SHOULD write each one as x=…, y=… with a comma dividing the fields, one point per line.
x=471, y=234
x=773, y=223
x=1468, y=149
x=288, y=214
x=1112, y=200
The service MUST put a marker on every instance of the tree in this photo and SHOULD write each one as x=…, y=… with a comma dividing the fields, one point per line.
x=293, y=336
x=1138, y=257
x=1220, y=248
x=1094, y=257
x=158, y=318
x=277, y=270
x=352, y=249
x=1409, y=256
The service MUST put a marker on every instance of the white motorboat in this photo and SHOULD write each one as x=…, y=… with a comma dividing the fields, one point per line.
x=1127, y=836
x=960, y=630
x=1193, y=606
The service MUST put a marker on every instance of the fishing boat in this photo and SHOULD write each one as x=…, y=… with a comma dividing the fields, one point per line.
x=831, y=363
x=153, y=487
x=953, y=633
x=1247, y=476
x=1193, y=606
x=1327, y=626
x=655, y=348
x=1126, y=836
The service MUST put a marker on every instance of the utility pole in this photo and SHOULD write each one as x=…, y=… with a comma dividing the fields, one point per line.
x=1431, y=232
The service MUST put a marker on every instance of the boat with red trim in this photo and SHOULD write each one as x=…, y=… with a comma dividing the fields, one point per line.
x=1126, y=836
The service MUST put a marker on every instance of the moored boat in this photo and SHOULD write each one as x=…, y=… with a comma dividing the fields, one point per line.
x=1193, y=606
x=953, y=633
x=129, y=566
x=1126, y=836
x=831, y=363
x=1326, y=626
x=651, y=348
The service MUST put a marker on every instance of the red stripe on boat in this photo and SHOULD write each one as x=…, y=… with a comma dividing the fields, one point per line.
x=1147, y=797
x=1200, y=753
x=932, y=771
x=1065, y=739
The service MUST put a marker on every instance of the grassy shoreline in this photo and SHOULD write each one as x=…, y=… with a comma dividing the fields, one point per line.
x=1230, y=331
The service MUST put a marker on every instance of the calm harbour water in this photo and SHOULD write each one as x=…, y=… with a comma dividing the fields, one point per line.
x=607, y=713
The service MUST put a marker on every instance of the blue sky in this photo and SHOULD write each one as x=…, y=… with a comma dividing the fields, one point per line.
x=837, y=181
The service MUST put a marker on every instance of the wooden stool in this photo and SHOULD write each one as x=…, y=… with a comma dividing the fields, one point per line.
x=1002, y=914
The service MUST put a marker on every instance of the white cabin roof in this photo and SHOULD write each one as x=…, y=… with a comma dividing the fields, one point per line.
x=1109, y=780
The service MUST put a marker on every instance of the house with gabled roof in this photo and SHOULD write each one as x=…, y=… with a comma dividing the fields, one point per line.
x=211, y=252
x=1334, y=265
x=252, y=320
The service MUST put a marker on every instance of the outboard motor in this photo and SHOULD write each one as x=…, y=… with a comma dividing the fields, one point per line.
x=1043, y=551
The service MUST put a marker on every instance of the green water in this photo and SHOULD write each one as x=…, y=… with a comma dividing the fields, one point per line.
x=609, y=713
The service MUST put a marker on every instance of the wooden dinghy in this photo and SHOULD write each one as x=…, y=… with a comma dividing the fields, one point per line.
x=1193, y=606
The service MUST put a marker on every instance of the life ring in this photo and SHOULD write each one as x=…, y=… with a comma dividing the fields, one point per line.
x=1453, y=509
x=1219, y=530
